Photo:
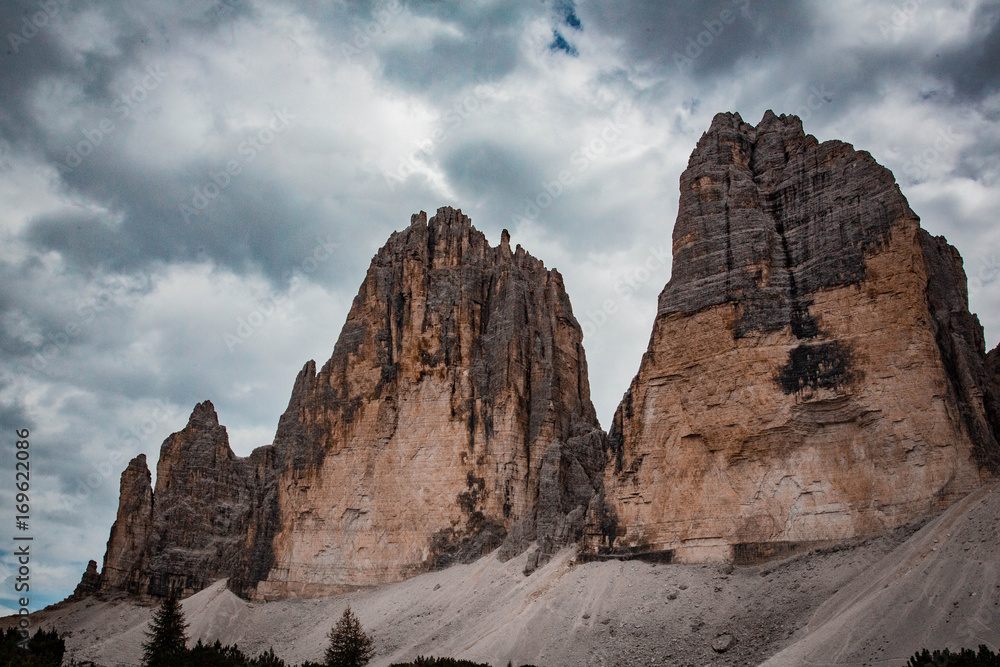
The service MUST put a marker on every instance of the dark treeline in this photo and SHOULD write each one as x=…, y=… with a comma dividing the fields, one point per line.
x=964, y=658
x=166, y=646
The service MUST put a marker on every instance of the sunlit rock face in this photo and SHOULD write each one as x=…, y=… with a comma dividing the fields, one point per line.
x=813, y=375
x=453, y=418
x=813, y=372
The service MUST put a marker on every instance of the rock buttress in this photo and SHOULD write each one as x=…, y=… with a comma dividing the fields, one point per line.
x=193, y=528
x=90, y=584
x=813, y=372
x=133, y=526
x=454, y=417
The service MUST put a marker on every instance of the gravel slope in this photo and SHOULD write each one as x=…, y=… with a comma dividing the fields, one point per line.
x=940, y=588
x=870, y=603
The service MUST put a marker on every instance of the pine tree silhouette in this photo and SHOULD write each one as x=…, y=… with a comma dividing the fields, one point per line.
x=349, y=645
x=166, y=638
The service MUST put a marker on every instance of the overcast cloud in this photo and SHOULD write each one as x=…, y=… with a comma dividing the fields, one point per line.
x=171, y=170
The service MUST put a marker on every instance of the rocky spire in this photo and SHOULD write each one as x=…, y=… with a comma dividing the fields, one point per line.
x=453, y=418
x=192, y=529
x=132, y=527
x=455, y=404
x=90, y=583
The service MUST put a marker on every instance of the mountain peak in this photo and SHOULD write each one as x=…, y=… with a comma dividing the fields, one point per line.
x=774, y=405
x=454, y=405
x=204, y=414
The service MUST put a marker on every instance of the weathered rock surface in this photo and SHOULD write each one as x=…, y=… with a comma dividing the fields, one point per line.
x=813, y=373
x=454, y=417
x=993, y=365
x=90, y=583
x=973, y=387
x=193, y=529
x=873, y=601
x=132, y=527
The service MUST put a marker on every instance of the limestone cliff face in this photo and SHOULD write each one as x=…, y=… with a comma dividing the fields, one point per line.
x=132, y=527
x=813, y=372
x=454, y=417
x=190, y=530
x=993, y=366
x=972, y=384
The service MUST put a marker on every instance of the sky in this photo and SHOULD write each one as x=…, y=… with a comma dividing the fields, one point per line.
x=191, y=192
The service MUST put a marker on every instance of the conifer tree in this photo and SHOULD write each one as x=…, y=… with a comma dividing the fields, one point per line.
x=349, y=645
x=166, y=641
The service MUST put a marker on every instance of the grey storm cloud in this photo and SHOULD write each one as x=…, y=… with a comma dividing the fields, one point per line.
x=973, y=68
x=488, y=166
x=255, y=223
x=702, y=39
x=251, y=224
x=484, y=49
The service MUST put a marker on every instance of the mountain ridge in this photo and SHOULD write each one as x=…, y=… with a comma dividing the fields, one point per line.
x=813, y=342
x=450, y=341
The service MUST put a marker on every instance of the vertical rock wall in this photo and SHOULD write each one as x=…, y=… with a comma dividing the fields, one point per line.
x=813, y=373
x=454, y=418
